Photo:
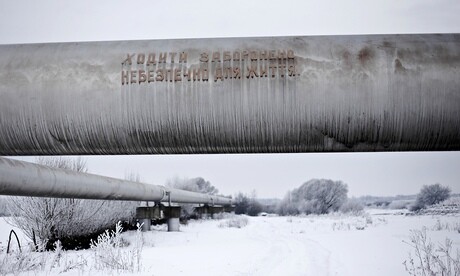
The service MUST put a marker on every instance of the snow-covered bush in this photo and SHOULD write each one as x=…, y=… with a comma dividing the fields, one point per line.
x=17, y=262
x=430, y=195
x=399, y=204
x=356, y=222
x=352, y=206
x=446, y=207
x=317, y=196
x=439, y=226
x=234, y=222
x=245, y=205
x=52, y=219
x=110, y=254
x=220, y=216
x=341, y=226
x=287, y=207
x=429, y=260
x=46, y=262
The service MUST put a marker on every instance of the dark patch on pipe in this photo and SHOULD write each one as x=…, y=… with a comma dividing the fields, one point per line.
x=365, y=55
x=399, y=68
x=388, y=44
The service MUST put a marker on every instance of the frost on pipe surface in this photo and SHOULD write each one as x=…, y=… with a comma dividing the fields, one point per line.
x=232, y=95
x=28, y=179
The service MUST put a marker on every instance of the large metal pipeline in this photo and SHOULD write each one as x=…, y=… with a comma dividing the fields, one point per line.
x=232, y=95
x=27, y=179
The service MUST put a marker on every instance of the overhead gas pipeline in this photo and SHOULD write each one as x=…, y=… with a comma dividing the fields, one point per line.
x=21, y=178
x=232, y=95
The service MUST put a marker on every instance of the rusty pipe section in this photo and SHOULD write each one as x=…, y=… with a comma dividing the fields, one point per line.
x=27, y=179
x=232, y=95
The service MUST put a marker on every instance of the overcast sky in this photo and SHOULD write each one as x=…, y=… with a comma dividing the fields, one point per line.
x=271, y=175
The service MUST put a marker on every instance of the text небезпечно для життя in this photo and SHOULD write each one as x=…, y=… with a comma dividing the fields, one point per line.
x=224, y=65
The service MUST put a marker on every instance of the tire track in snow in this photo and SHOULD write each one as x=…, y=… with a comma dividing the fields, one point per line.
x=289, y=252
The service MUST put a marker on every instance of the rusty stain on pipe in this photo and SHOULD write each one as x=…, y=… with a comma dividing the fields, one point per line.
x=21, y=178
x=349, y=94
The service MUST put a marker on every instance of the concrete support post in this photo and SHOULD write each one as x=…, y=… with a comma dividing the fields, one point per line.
x=204, y=214
x=173, y=225
x=145, y=216
x=146, y=223
x=172, y=213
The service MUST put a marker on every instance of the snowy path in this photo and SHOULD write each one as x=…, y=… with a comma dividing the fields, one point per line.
x=264, y=247
x=288, y=252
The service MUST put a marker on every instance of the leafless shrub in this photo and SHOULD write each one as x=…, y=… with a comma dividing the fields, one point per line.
x=358, y=223
x=220, y=216
x=110, y=254
x=27, y=260
x=247, y=205
x=353, y=207
x=430, y=195
x=235, y=222
x=341, y=226
x=439, y=226
x=52, y=219
x=17, y=262
x=429, y=260
x=400, y=204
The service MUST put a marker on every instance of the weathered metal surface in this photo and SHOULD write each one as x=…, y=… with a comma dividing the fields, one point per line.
x=28, y=179
x=349, y=93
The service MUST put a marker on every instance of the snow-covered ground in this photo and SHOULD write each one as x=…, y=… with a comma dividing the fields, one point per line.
x=371, y=244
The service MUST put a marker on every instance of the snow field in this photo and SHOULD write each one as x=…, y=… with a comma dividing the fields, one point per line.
x=371, y=244
x=310, y=245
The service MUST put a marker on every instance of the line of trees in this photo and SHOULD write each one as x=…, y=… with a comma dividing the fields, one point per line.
x=317, y=196
x=321, y=196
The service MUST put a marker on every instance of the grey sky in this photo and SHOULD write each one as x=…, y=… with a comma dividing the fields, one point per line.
x=271, y=175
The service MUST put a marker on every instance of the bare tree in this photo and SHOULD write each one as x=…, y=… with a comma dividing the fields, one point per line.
x=317, y=196
x=429, y=195
x=248, y=205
